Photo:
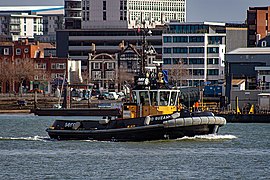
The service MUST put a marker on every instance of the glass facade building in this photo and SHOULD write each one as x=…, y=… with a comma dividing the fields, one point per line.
x=193, y=53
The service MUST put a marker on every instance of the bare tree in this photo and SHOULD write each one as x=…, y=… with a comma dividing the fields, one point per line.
x=125, y=77
x=17, y=71
x=179, y=73
x=85, y=76
x=24, y=70
x=6, y=71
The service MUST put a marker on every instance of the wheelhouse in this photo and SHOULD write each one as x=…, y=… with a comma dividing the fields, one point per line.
x=164, y=97
x=152, y=102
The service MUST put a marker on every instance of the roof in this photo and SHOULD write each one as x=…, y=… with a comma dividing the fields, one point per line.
x=198, y=23
x=264, y=94
x=32, y=9
x=237, y=81
x=255, y=50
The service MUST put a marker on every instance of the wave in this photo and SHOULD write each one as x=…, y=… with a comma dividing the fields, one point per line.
x=34, y=138
x=209, y=137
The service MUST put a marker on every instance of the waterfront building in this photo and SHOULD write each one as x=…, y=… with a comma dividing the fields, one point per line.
x=130, y=13
x=103, y=71
x=20, y=25
x=39, y=22
x=14, y=57
x=250, y=64
x=258, y=24
x=196, y=48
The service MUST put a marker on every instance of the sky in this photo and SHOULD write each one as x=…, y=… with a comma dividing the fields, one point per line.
x=197, y=10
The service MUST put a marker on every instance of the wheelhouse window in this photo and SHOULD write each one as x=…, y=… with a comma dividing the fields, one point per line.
x=173, y=99
x=144, y=98
x=153, y=98
x=164, y=98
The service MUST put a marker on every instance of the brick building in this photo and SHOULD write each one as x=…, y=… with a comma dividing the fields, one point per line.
x=258, y=24
x=23, y=66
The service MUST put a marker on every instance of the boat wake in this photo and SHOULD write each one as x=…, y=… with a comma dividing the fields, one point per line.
x=209, y=137
x=35, y=138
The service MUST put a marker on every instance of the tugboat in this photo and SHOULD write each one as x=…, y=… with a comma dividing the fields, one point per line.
x=154, y=112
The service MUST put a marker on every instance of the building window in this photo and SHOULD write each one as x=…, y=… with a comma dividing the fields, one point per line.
x=196, y=39
x=26, y=50
x=167, y=50
x=40, y=66
x=96, y=74
x=179, y=39
x=104, y=5
x=110, y=65
x=18, y=51
x=87, y=16
x=121, y=16
x=177, y=50
x=215, y=40
x=24, y=27
x=196, y=72
x=167, y=39
x=196, y=50
x=56, y=75
x=167, y=61
x=264, y=43
x=6, y=51
x=212, y=61
x=213, y=50
x=104, y=16
x=58, y=66
x=196, y=61
x=110, y=75
x=121, y=5
x=96, y=65
x=212, y=72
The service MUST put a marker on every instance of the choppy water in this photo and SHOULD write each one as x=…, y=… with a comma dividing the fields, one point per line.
x=240, y=151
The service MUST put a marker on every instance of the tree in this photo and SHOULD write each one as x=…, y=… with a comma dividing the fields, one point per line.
x=179, y=73
x=125, y=77
x=24, y=70
x=17, y=71
x=6, y=70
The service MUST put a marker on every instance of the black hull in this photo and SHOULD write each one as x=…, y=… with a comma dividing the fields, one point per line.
x=144, y=133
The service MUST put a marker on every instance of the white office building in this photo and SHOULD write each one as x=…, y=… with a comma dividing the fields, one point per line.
x=31, y=21
x=131, y=13
x=20, y=25
x=193, y=53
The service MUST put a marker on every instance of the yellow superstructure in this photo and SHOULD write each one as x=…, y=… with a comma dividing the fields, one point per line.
x=151, y=103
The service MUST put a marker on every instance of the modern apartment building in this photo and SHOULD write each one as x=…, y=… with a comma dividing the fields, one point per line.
x=130, y=13
x=20, y=25
x=40, y=22
x=193, y=53
x=73, y=14
x=258, y=24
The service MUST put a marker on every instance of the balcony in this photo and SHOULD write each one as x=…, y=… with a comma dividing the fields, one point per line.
x=14, y=22
x=15, y=30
